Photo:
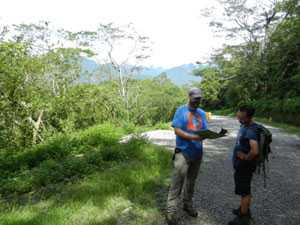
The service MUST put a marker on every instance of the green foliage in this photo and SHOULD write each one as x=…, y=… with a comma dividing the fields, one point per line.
x=16, y=88
x=157, y=102
x=66, y=157
x=29, y=86
x=210, y=85
x=263, y=71
x=291, y=128
x=285, y=110
x=40, y=96
x=101, y=197
x=86, y=175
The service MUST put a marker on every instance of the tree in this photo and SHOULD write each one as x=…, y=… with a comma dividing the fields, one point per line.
x=18, y=75
x=245, y=20
x=210, y=85
x=120, y=51
x=35, y=67
x=264, y=68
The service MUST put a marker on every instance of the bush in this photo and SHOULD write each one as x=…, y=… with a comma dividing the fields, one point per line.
x=280, y=110
x=65, y=157
x=48, y=172
x=104, y=134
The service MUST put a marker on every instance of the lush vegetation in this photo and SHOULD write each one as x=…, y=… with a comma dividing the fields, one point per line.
x=289, y=128
x=264, y=69
x=85, y=177
x=60, y=157
x=42, y=91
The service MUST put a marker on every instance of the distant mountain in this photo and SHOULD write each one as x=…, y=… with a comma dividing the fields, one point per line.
x=89, y=64
x=179, y=75
x=183, y=74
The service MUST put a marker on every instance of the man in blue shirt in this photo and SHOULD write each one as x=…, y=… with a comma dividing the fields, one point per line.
x=188, y=155
x=244, y=163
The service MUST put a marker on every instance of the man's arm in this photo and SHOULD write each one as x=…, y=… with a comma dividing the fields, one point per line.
x=253, y=151
x=187, y=136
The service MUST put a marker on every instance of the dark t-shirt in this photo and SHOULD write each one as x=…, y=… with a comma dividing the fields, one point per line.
x=245, y=134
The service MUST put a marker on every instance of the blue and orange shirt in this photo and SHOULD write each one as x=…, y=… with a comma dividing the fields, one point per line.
x=189, y=120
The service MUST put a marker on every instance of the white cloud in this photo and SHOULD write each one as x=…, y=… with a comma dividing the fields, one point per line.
x=175, y=27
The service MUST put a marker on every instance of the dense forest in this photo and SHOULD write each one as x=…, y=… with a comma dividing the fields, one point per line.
x=42, y=93
x=57, y=126
x=264, y=70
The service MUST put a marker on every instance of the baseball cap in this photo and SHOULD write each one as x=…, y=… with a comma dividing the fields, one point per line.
x=195, y=93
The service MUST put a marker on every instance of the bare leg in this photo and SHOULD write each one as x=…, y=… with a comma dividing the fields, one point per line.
x=245, y=204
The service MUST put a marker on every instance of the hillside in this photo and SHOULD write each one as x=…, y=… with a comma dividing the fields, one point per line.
x=179, y=75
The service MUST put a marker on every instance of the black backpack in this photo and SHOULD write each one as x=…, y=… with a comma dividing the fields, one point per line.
x=264, y=145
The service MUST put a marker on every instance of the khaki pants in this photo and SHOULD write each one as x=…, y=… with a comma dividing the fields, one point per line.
x=183, y=179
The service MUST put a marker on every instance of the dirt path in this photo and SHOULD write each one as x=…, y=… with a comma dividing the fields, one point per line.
x=278, y=204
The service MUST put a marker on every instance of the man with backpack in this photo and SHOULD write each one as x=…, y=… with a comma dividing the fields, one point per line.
x=245, y=156
x=250, y=153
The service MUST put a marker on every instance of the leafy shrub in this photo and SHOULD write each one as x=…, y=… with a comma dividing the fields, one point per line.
x=65, y=157
x=281, y=110
x=48, y=172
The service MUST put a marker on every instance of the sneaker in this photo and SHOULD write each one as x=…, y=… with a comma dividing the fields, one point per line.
x=171, y=219
x=240, y=220
x=237, y=212
x=190, y=211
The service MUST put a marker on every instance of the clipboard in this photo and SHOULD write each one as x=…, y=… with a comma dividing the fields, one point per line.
x=209, y=134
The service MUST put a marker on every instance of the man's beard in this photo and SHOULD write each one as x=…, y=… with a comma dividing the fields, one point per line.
x=242, y=122
x=195, y=104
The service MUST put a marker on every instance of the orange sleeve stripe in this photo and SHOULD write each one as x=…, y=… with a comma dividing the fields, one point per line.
x=191, y=125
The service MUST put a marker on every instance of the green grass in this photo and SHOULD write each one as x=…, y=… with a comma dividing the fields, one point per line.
x=85, y=178
x=163, y=126
x=284, y=126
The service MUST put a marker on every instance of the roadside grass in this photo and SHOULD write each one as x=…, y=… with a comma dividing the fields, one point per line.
x=285, y=127
x=132, y=128
x=85, y=178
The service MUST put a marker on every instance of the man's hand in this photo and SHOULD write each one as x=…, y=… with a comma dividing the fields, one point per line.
x=187, y=136
x=252, y=154
x=241, y=155
x=198, y=138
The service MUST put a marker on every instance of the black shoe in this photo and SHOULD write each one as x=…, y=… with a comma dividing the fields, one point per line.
x=171, y=219
x=190, y=211
x=240, y=220
x=237, y=212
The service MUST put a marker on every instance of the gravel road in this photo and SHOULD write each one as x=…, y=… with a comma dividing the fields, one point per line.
x=277, y=204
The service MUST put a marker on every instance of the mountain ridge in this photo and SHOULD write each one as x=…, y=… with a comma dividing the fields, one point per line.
x=179, y=75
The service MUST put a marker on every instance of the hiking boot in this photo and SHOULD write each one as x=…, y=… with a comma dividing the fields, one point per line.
x=171, y=219
x=190, y=211
x=240, y=220
x=237, y=212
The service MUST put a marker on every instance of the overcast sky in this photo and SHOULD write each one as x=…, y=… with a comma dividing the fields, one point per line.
x=179, y=33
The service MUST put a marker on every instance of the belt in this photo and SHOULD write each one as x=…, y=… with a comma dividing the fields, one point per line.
x=177, y=150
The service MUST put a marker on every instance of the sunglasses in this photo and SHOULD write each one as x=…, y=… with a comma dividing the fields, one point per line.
x=197, y=99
